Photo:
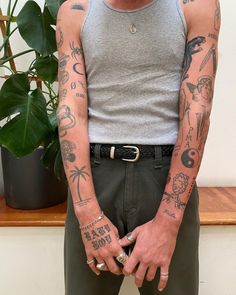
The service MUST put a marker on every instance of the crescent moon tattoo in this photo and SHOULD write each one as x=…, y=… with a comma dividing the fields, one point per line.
x=75, y=68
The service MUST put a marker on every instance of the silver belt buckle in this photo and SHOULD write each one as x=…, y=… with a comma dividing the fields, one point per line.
x=137, y=152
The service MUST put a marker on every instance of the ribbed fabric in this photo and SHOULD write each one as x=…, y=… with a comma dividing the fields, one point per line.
x=134, y=79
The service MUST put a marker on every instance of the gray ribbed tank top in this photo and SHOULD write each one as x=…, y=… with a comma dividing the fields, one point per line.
x=133, y=79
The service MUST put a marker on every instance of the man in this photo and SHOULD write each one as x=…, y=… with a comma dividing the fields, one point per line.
x=136, y=81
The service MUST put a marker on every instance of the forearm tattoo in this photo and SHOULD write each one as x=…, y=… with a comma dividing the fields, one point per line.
x=217, y=19
x=67, y=151
x=179, y=186
x=66, y=120
x=77, y=174
x=99, y=237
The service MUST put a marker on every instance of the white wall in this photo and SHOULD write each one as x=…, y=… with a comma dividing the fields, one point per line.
x=32, y=261
x=219, y=161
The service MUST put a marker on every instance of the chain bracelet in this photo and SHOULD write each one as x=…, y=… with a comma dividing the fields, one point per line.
x=86, y=226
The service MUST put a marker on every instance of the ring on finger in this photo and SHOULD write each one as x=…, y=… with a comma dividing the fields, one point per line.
x=164, y=274
x=90, y=261
x=130, y=237
x=101, y=266
x=122, y=258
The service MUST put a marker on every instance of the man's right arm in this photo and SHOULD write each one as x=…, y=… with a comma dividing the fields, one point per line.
x=72, y=111
x=100, y=240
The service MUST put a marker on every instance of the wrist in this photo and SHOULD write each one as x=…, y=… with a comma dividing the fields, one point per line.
x=87, y=213
x=169, y=218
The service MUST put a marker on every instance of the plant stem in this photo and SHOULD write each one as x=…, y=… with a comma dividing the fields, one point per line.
x=4, y=66
x=14, y=56
x=6, y=39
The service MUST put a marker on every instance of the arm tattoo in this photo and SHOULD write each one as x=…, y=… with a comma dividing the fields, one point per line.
x=77, y=6
x=76, y=50
x=190, y=158
x=204, y=88
x=201, y=122
x=192, y=47
x=77, y=174
x=63, y=77
x=67, y=148
x=217, y=16
x=179, y=185
x=63, y=61
x=211, y=53
x=187, y=1
x=64, y=115
x=75, y=68
x=169, y=213
x=62, y=94
x=184, y=106
x=61, y=38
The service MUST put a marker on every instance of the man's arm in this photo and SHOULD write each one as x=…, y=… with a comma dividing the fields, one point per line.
x=196, y=93
x=100, y=239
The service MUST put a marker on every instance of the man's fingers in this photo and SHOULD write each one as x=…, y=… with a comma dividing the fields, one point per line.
x=163, y=278
x=140, y=274
x=151, y=273
x=91, y=261
x=112, y=266
x=129, y=238
x=130, y=265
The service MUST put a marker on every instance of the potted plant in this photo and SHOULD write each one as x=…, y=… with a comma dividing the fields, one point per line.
x=32, y=165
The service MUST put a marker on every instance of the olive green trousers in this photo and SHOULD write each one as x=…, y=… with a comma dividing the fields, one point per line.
x=130, y=193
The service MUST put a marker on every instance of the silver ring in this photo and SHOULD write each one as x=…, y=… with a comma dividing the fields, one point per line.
x=164, y=274
x=90, y=261
x=101, y=266
x=122, y=258
x=130, y=237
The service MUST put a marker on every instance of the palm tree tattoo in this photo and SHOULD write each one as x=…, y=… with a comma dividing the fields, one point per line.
x=76, y=174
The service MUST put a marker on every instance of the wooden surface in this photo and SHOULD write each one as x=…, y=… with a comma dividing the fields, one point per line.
x=217, y=206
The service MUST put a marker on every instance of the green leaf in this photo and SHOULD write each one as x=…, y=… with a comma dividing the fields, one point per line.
x=47, y=68
x=53, y=6
x=35, y=29
x=30, y=125
x=53, y=120
x=52, y=159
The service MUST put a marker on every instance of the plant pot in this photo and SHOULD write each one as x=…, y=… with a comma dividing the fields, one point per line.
x=28, y=184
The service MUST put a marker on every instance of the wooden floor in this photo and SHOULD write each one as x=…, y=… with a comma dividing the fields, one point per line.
x=217, y=206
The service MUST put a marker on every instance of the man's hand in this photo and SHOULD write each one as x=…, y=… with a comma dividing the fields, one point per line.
x=154, y=247
x=101, y=245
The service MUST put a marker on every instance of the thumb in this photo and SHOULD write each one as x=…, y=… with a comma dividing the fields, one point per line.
x=125, y=241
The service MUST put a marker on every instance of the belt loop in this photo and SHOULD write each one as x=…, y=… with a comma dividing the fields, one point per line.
x=97, y=155
x=158, y=156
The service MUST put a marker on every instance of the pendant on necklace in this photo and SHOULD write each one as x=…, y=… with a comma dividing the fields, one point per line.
x=133, y=29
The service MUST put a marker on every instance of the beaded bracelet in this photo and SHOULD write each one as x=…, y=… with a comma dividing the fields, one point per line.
x=86, y=226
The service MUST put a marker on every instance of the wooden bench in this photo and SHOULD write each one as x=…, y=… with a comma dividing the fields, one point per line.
x=217, y=207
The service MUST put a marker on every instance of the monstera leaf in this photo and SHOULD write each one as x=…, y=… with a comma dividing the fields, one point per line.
x=35, y=28
x=53, y=6
x=47, y=68
x=30, y=125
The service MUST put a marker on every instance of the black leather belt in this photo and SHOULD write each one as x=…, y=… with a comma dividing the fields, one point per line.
x=130, y=153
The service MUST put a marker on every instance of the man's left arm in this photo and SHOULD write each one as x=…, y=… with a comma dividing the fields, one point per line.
x=196, y=93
